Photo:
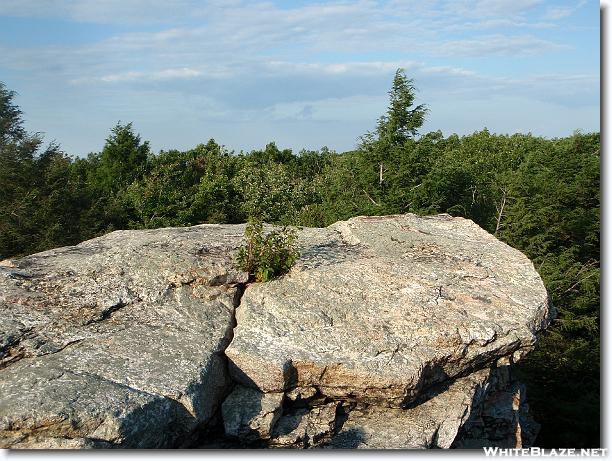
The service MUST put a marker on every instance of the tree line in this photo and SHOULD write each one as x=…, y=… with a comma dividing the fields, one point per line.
x=539, y=195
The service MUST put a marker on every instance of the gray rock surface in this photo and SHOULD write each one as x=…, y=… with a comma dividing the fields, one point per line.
x=251, y=414
x=434, y=423
x=379, y=308
x=301, y=393
x=305, y=427
x=501, y=419
x=117, y=340
x=385, y=334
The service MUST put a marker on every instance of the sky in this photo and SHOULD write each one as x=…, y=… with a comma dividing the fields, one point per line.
x=302, y=74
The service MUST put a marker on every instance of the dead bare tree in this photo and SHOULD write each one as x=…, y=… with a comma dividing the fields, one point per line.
x=371, y=199
x=500, y=209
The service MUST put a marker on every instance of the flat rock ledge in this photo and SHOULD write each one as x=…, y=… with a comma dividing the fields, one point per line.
x=389, y=332
x=117, y=341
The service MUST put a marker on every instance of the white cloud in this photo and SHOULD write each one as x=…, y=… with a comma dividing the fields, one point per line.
x=157, y=11
x=237, y=37
x=124, y=77
x=500, y=45
x=164, y=74
x=492, y=8
x=358, y=68
x=355, y=108
x=105, y=11
x=511, y=114
x=328, y=62
x=556, y=13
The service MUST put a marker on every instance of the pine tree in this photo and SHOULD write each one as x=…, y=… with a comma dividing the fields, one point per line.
x=123, y=158
x=402, y=121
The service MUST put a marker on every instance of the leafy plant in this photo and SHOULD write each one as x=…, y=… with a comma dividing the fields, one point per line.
x=267, y=256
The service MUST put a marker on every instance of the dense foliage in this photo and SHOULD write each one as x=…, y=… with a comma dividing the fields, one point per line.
x=266, y=256
x=539, y=195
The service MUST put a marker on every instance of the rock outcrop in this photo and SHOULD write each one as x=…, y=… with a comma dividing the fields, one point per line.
x=389, y=332
x=118, y=340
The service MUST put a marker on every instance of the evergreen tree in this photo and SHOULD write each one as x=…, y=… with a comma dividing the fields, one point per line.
x=37, y=197
x=402, y=120
x=399, y=125
x=123, y=158
x=11, y=123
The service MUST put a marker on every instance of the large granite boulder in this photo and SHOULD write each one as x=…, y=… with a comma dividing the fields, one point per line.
x=389, y=332
x=119, y=340
x=379, y=308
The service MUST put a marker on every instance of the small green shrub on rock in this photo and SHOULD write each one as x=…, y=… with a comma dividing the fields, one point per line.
x=267, y=256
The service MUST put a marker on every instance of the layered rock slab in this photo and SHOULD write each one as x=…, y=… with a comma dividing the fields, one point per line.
x=117, y=341
x=379, y=308
x=433, y=423
x=486, y=408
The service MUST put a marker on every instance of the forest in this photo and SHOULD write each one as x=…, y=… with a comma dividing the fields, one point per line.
x=539, y=195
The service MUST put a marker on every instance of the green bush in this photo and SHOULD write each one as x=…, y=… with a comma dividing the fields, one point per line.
x=267, y=256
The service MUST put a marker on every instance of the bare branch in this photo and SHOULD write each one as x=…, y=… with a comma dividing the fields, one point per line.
x=580, y=281
x=501, y=210
x=371, y=199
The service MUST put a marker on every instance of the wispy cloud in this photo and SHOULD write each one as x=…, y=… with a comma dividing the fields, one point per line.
x=165, y=74
x=318, y=62
x=105, y=11
x=493, y=8
x=499, y=45
x=556, y=13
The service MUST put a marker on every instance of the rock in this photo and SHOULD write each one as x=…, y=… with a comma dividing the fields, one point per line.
x=502, y=419
x=301, y=393
x=119, y=340
x=388, y=332
x=484, y=409
x=433, y=423
x=379, y=308
x=58, y=443
x=44, y=403
x=305, y=427
x=251, y=414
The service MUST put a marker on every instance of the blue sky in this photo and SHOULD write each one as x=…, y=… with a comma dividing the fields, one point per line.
x=303, y=74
